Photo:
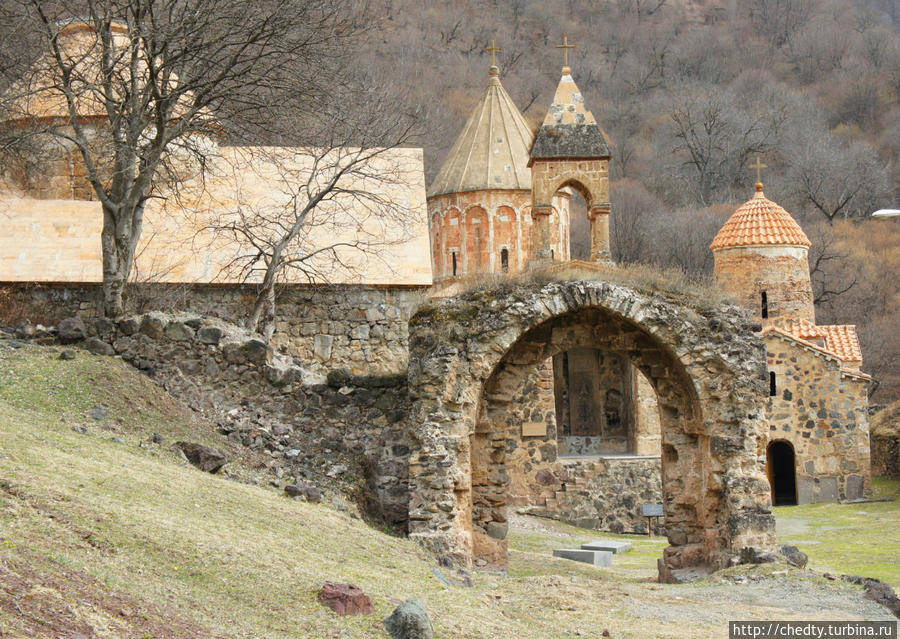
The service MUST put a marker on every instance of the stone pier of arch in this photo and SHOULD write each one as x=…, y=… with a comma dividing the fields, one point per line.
x=467, y=355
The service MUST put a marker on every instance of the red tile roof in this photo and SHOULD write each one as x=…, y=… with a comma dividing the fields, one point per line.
x=760, y=222
x=840, y=339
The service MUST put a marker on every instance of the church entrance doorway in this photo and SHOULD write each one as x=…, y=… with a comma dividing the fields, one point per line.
x=782, y=473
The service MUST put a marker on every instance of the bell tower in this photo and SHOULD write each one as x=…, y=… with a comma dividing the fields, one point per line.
x=570, y=150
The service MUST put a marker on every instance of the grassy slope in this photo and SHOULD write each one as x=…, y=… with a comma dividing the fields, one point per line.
x=129, y=540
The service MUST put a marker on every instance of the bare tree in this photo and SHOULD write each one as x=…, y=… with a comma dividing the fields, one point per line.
x=333, y=207
x=837, y=180
x=133, y=84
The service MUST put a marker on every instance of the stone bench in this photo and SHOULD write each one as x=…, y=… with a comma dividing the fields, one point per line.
x=593, y=557
x=615, y=547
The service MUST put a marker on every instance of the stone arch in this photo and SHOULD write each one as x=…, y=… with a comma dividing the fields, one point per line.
x=467, y=353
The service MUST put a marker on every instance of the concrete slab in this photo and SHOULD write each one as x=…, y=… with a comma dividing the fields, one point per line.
x=593, y=557
x=615, y=547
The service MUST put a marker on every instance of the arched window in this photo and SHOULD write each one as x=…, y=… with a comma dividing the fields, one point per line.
x=504, y=260
x=765, y=304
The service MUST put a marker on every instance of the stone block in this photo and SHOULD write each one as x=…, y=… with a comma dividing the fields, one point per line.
x=592, y=557
x=855, y=487
x=615, y=547
x=210, y=334
x=322, y=346
x=805, y=491
x=828, y=489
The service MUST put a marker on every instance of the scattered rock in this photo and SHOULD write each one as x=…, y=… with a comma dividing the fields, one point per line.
x=153, y=325
x=67, y=354
x=26, y=331
x=877, y=591
x=117, y=440
x=754, y=555
x=410, y=621
x=497, y=530
x=178, y=331
x=71, y=330
x=15, y=344
x=205, y=458
x=257, y=352
x=337, y=469
x=98, y=413
x=156, y=438
x=794, y=556
x=81, y=430
x=345, y=599
x=103, y=328
x=98, y=347
x=210, y=334
x=129, y=325
x=309, y=492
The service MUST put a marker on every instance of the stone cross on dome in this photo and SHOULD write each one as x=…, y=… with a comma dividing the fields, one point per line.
x=759, y=165
x=565, y=46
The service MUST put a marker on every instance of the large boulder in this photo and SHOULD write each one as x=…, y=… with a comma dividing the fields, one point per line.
x=410, y=621
x=98, y=347
x=71, y=330
x=203, y=457
x=345, y=599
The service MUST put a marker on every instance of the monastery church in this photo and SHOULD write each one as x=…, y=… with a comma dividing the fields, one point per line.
x=583, y=443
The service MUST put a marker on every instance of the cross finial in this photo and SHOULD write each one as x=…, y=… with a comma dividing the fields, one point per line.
x=565, y=46
x=759, y=165
x=493, y=49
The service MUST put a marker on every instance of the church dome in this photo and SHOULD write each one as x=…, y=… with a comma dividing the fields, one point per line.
x=491, y=153
x=760, y=222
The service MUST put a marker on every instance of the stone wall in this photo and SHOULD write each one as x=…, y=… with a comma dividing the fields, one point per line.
x=781, y=271
x=349, y=428
x=360, y=328
x=821, y=411
x=603, y=493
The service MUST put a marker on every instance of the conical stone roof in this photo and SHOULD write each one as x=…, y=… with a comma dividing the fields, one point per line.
x=569, y=130
x=492, y=150
x=760, y=222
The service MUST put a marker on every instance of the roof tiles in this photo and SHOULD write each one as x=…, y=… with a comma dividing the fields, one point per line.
x=839, y=339
x=760, y=222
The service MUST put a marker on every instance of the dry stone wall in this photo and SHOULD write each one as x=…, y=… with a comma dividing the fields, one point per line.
x=360, y=328
x=341, y=427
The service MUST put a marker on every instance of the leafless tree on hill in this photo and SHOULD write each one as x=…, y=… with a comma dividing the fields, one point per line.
x=163, y=74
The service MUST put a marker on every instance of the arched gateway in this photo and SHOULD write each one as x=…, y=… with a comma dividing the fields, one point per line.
x=468, y=355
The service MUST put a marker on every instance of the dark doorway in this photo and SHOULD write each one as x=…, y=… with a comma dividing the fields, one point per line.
x=782, y=473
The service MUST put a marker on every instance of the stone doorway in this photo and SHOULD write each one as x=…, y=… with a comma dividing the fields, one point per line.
x=468, y=356
x=781, y=467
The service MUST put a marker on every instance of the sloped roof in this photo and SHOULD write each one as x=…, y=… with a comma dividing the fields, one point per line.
x=492, y=150
x=840, y=339
x=59, y=240
x=569, y=129
x=760, y=222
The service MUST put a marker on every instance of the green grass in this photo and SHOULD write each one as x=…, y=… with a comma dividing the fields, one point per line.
x=854, y=539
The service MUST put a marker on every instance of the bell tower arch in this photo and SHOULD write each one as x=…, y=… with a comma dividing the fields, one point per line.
x=570, y=150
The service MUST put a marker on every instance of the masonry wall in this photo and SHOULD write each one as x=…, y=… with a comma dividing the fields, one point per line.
x=781, y=271
x=603, y=493
x=822, y=412
x=265, y=401
x=360, y=328
x=477, y=226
